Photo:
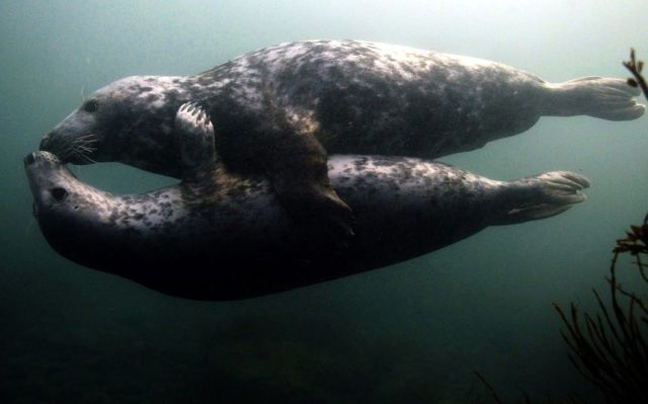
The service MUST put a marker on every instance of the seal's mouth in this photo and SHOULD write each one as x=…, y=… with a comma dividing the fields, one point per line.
x=29, y=159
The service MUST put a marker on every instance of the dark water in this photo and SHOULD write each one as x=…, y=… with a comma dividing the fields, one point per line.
x=410, y=333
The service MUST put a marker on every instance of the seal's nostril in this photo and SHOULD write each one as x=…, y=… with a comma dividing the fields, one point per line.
x=30, y=159
x=45, y=142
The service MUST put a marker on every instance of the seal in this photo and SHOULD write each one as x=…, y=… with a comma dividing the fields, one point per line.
x=279, y=110
x=218, y=235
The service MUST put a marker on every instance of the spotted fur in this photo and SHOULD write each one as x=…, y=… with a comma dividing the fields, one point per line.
x=354, y=96
x=278, y=111
x=228, y=237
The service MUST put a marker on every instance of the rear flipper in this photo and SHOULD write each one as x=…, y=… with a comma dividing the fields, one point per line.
x=600, y=97
x=540, y=197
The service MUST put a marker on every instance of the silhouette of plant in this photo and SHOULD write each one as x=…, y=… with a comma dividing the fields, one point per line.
x=611, y=349
x=635, y=68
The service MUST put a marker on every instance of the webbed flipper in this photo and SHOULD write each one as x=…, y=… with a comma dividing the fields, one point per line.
x=296, y=164
x=601, y=97
x=540, y=196
x=196, y=138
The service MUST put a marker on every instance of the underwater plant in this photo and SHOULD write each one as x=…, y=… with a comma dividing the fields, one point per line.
x=611, y=349
x=635, y=68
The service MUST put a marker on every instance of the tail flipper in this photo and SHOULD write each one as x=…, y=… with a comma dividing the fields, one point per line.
x=542, y=196
x=600, y=97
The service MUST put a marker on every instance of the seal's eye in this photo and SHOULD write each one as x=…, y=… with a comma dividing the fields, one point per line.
x=91, y=106
x=58, y=194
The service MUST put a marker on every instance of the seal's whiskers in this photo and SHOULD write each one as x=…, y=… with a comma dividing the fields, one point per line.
x=66, y=150
x=82, y=147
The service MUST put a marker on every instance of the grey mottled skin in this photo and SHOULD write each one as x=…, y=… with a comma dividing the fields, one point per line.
x=220, y=236
x=279, y=110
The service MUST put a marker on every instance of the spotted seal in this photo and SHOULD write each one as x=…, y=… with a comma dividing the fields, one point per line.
x=342, y=97
x=218, y=235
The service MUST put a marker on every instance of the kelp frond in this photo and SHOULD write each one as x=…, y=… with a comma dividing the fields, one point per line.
x=611, y=349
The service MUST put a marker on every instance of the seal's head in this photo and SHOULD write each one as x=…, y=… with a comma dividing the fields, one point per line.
x=128, y=121
x=58, y=195
x=73, y=216
x=49, y=182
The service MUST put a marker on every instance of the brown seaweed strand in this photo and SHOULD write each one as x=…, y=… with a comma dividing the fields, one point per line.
x=635, y=68
x=610, y=349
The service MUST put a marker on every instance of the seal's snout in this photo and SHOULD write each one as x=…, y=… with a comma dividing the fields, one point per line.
x=40, y=157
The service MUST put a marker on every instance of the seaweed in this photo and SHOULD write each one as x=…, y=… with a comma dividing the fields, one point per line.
x=635, y=68
x=610, y=349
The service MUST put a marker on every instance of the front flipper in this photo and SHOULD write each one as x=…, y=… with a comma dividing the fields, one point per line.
x=297, y=166
x=196, y=137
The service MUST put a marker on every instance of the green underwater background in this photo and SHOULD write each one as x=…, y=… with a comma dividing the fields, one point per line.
x=409, y=333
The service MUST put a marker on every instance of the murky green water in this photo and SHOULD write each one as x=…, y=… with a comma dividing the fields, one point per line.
x=411, y=333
